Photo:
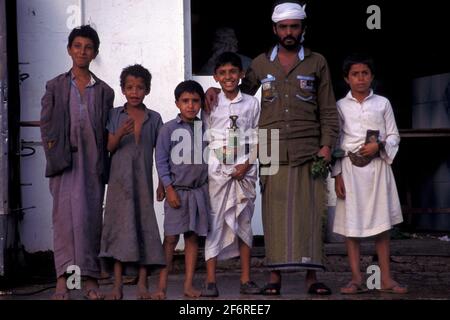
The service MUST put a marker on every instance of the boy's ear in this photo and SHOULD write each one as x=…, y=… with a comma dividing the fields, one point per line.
x=346, y=80
x=215, y=77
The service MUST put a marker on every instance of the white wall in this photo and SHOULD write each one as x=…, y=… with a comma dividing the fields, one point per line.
x=149, y=32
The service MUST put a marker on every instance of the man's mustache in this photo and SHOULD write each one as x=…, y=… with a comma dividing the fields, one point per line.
x=289, y=38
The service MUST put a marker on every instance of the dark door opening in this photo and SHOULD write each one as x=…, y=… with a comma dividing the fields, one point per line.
x=411, y=43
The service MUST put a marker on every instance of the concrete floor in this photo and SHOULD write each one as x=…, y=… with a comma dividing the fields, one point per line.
x=423, y=265
x=422, y=286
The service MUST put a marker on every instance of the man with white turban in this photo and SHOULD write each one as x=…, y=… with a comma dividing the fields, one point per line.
x=298, y=102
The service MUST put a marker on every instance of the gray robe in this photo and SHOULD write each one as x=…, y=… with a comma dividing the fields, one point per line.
x=130, y=229
x=78, y=187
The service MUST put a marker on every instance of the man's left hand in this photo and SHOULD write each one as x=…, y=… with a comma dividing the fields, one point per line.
x=325, y=152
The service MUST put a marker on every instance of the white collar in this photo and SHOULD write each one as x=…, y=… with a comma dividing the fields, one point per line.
x=273, y=55
x=350, y=96
x=236, y=99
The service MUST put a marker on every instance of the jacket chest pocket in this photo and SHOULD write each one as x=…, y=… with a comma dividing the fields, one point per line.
x=269, y=90
x=306, y=88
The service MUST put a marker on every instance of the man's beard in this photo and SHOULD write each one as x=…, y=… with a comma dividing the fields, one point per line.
x=294, y=45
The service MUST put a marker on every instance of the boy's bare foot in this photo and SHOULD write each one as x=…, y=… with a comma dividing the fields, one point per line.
x=92, y=291
x=93, y=294
x=61, y=292
x=62, y=295
x=115, y=294
x=142, y=293
x=160, y=294
x=191, y=292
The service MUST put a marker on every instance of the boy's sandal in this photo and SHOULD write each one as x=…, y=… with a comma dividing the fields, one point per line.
x=398, y=288
x=319, y=288
x=353, y=288
x=250, y=288
x=271, y=289
x=210, y=291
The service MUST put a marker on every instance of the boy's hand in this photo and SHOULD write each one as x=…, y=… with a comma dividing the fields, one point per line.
x=173, y=198
x=126, y=128
x=211, y=99
x=369, y=149
x=339, y=186
x=160, y=193
x=240, y=171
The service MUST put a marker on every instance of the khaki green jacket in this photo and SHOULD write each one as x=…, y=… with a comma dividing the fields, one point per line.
x=300, y=104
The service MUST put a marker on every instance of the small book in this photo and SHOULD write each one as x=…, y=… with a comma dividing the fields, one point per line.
x=362, y=161
x=372, y=136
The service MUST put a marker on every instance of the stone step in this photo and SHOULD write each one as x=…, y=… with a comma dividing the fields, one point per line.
x=409, y=255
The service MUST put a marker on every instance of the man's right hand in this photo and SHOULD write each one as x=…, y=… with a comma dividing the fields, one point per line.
x=211, y=99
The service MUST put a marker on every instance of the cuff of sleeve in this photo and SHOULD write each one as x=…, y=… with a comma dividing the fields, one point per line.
x=166, y=181
x=327, y=141
x=337, y=169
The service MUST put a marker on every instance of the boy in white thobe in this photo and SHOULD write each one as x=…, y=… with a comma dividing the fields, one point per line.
x=368, y=203
x=232, y=174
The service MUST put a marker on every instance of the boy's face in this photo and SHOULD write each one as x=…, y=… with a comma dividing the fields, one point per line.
x=189, y=104
x=134, y=90
x=82, y=51
x=359, y=78
x=228, y=77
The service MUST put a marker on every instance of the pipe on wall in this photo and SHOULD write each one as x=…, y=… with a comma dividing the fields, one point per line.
x=3, y=136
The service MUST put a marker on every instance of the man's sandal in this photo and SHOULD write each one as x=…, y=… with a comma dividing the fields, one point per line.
x=319, y=288
x=271, y=289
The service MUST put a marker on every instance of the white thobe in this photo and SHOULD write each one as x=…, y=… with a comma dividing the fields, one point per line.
x=371, y=205
x=232, y=201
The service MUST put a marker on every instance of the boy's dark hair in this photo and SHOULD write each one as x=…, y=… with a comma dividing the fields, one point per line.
x=228, y=57
x=190, y=86
x=357, y=58
x=137, y=71
x=85, y=31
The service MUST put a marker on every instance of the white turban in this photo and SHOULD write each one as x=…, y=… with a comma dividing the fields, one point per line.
x=287, y=11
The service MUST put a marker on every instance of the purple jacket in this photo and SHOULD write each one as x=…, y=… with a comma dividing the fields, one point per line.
x=55, y=124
